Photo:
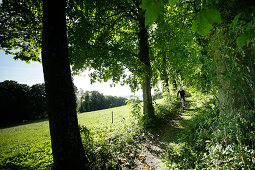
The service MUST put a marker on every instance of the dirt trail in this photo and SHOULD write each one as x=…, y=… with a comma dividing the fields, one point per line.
x=155, y=146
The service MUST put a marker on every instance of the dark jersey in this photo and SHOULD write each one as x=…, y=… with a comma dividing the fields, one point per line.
x=182, y=93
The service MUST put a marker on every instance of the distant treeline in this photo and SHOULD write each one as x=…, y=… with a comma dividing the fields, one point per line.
x=93, y=100
x=20, y=102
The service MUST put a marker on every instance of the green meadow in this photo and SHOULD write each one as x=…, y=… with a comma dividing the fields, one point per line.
x=27, y=146
x=178, y=140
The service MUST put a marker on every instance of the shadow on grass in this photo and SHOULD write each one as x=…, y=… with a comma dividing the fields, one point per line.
x=25, y=122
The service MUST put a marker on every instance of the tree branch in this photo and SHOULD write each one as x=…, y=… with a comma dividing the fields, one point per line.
x=111, y=26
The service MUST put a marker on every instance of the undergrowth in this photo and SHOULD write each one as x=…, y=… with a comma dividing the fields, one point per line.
x=119, y=145
x=166, y=107
x=113, y=148
x=212, y=140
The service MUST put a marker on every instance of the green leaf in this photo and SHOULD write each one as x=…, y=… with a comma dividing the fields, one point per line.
x=241, y=41
x=235, y=20
x=213, y=16
x=245, y=38
x=153, y=9
x=203, y=23
x=173, y=2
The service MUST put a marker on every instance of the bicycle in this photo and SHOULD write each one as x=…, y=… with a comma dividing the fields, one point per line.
x=181, y=104
x=182, y=98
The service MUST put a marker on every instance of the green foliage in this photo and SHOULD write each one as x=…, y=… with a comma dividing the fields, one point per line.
x=213, y=16
x=173, y=2
x=97, y=152
x=108, y=152
x=215, y=140
x=21, y=28
x=37, y=101
x=166, y=108
x=111, y=35
x=241, y=41
x=201, y=25
x=152, y=9
x=233, y=64
x=137, y=113
x=91, y=101
x=20, y=102
x=14, y=102
x=243, y=24
x=136, y=107
x=158, y=95
x=103, y=35
x=205, y=20
x=175, y=51
x=109, y=145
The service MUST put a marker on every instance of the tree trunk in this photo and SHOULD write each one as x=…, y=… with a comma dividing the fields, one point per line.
x=217, y=41
x=234, y=91
x=67, y=148
x=148, y=109
x=165, y=78
x=253, y=84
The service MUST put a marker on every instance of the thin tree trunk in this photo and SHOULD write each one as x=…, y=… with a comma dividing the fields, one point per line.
x=148, y=109
x=253, y=84
x=165, y=76
x=145, y=59
x=67, y=148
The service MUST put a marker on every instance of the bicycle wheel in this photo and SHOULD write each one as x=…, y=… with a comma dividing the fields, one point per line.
x=181, y=104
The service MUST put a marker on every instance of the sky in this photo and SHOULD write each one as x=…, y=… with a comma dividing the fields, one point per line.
x=32, y=73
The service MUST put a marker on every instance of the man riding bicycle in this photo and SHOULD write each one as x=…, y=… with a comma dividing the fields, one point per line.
x=182, y=94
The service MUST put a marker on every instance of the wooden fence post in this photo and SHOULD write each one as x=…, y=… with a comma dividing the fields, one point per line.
x=112, y=116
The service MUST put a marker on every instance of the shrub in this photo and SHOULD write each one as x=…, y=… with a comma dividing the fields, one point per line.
x=110, y=148
x=98, y=153
x=136, y=107
x=216, y=140
x=166, y=109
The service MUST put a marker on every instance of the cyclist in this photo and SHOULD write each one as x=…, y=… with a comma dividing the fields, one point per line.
x=182, y=94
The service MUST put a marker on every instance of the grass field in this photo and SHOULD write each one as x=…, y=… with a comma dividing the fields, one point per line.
x=27, y=146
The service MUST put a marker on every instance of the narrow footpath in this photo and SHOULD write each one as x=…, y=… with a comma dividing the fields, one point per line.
x=152, y=150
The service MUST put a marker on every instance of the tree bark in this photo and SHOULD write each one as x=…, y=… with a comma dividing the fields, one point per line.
x=67, y=148
x=165, y=78
x=233, y=91
x=148, y=109
x=217, y=41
